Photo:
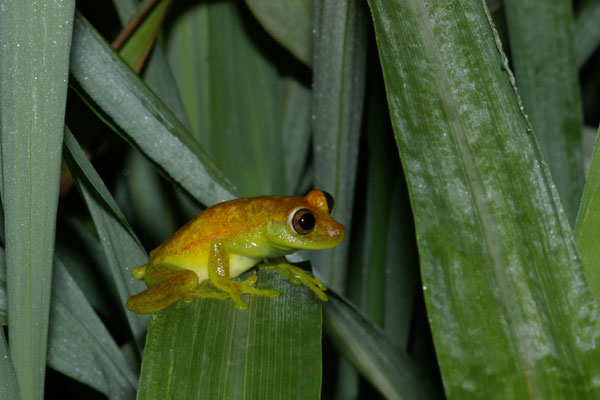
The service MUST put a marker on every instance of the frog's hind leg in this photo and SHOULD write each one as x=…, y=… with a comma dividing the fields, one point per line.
x=166, y=285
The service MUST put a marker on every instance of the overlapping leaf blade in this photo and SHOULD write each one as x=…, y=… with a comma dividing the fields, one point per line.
x=138, y=46
x=289, y=22
x=543, y=57
x=34, y=45
x=390, y=370
x=511, y=314
x=145, y=121
x=339, y=70
x=231, y=92
x=80, y=346
x=9, y=388
x=121, y=247
x=586, y=30
x=587, y=230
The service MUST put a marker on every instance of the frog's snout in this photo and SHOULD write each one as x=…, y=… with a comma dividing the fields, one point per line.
x=337, y=233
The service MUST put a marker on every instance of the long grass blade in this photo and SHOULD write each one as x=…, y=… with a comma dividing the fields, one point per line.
x=339, y=69
x=289, y=22
x=157, y=73
x=121, y=247
x=543, y=56
x=510, y=312
x=9, y=387
x=587, y=230
x=138, y=46
x=80, y=346
x=148, y=124
x=231, y=91
x=35, y=40
x=391, y=371
x=295, y=128
x=586, y=30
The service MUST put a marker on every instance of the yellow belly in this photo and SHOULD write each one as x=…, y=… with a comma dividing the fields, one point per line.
x=237, y=266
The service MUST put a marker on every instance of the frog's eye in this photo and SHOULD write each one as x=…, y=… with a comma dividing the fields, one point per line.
x=330, y=202
x=303, y=221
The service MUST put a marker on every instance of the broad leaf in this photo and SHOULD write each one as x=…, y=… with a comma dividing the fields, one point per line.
x=208, y=349
x=509, y=307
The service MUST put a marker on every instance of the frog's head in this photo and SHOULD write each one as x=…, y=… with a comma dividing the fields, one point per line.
x=307, y=224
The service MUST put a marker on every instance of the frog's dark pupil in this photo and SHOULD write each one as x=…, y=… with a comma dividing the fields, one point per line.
x=330, y=202
x=306, y=221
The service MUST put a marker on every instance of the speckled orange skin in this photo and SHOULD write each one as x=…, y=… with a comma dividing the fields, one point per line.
x=228, y=239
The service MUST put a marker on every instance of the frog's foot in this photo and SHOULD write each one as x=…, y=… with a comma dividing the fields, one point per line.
x=139, y=272
x=235, y=290
x=204, y=292
x=298, y=276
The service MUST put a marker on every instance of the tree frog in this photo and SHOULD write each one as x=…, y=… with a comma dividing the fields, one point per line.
x=230, y=238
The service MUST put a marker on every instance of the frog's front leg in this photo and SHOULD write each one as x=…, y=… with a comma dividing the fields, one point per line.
x=219, y=275
x=166, y=285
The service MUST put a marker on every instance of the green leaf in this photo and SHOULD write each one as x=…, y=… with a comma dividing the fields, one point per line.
x=231, y=92
x=86, y=264
x=79, y=344
x=289, y=22
x=494, y=5
x=586, y=30
x=208, y=349
x=383, y=247
x=509, y=307
x=135, y=112
x=401, y=281
x=149, y=199
x=543, y=55
x=339, y=71
x=137, y=47
x=587, y=229
x=390, y=371
x=296, y=125
x=34, y=45
x=157, y=73
x=121, y=247
x=9, y=387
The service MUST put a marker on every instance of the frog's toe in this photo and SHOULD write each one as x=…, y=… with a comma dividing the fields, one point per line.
x=238, y=302
x=139, y=272
x=298, y=276
x=204, y=292
x=318, y=283
x=250, y=281
x=249, y=288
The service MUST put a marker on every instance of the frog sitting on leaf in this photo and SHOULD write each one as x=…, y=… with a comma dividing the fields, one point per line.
x=230, y=238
